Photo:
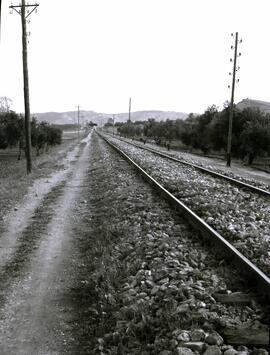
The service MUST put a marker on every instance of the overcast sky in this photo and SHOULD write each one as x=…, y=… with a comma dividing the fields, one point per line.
x=165, y=54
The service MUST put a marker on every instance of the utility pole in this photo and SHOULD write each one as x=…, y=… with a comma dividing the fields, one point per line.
x=78, y=121
x=129, y=119
x=229, y=144
x=0, y=16
x=113, y=125
x=21, y=10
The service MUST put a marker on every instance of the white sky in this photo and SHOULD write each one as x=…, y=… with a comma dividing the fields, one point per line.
x=165, y=54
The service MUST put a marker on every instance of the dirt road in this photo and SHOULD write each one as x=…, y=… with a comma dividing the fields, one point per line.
x=36, y=258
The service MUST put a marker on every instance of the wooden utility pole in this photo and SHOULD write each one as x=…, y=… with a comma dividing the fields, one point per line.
x=26, y=93
x=129, y=119
x=0, y=17
x=22, y=13
x=78, y=121
x=229, y=144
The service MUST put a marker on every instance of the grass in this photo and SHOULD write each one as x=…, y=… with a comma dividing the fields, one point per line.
x=14, y=180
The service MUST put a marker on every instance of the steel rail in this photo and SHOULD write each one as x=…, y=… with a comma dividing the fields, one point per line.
x=251, y=271
x=205, y=170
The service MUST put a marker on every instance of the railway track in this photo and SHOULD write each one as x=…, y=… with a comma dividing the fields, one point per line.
x=228, y=250
x=213, y=173
x=156, y=291
x=239, y=215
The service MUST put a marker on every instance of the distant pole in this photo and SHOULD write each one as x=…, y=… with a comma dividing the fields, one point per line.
x=129, y=119
x=22, y=13
x=229, y=144
x=78, y=121
x=0, y=17
x=113, y=125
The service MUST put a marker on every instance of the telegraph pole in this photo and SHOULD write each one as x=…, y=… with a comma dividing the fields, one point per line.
x=21, y=10
x=0, y=16
x=129, y=110
x=78, y=121
x=229, y=144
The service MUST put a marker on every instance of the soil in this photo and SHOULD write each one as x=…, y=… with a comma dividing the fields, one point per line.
x=34, y=254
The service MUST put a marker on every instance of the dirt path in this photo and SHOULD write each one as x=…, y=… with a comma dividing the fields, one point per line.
x=34, y=254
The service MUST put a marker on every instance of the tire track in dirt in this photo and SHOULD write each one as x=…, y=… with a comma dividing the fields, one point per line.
x=33, y=319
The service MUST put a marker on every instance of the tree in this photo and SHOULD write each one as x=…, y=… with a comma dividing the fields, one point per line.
x=178, y=128
x=11, y=129
x=44, y=135
x=255, y=135
x=54, y=135
x=5, y=104
x=196, y=130
x=203, y=129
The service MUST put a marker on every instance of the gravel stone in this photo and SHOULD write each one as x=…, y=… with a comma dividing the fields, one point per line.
x=197, y=335
x=260, y=352
x=230, y=352
x=214, y=339
x=184, y=351
x=163, y=276
x=212, y=350
x=195, y=345
x=183, y=336
x=239, y=216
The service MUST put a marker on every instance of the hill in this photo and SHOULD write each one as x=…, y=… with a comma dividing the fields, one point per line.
x=262, y=105
x=71, y=117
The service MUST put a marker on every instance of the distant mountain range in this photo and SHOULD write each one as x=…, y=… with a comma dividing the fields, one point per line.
x=71, y=117
x=262, y=105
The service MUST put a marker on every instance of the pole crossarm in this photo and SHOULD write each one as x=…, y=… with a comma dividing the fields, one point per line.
x=14, y=7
